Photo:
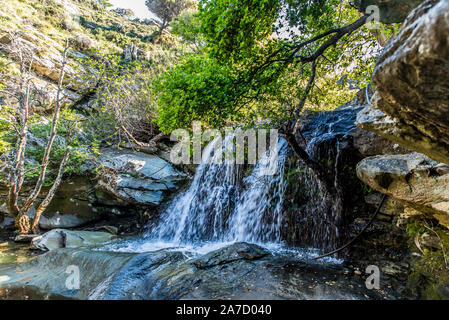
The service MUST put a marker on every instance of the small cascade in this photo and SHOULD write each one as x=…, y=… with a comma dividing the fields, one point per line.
x=258, y=214
x=220, y=207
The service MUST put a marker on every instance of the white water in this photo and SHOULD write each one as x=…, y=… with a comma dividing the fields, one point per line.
x=220, y=208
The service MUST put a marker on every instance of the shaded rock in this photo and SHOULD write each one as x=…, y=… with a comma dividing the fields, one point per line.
x=371, y=144
x=136, y=178
x=394, y=269
x=110, y=229
x=59, y=238
x=412, y=86
x=145, y=149
x=56, y=221
x=72, y=205
x=390, y=207
x=410, y=178
x=237, y=251
x=344, y=122
x=333, y=140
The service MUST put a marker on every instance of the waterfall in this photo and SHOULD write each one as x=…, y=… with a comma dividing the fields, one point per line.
x=221, y=207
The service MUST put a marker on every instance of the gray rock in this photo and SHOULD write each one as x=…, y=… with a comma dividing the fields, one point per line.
x=60, y=238
x=237, y=251
x=390, y=207
x=412, y=86
x=57, y=220
x=428, y=240
x=412, y=179
x=136, y=178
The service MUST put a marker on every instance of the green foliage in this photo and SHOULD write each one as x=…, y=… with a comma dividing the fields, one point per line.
x=250, y=70
x=187, y=27
x=232, y=28
x=198, y=88
x=81, y=147
x=429, y=271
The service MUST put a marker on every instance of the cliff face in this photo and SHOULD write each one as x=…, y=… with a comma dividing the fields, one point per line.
x=411, y=107
x=412, y=86
x=42, y=27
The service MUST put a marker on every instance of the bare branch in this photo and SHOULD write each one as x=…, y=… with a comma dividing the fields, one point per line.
x=45, y=160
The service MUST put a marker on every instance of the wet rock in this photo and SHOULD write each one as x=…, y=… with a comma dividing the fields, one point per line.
x=369, y=143
x=334, y=141
x=390, y=207
x=60, y=238
x=410, y=178
x=237, y=251
x=169, y=274
x=72, y=205
x=49, y=271
x=412, y=86
x=136, y=178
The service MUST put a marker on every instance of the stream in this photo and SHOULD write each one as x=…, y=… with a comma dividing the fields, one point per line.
x=220, y=239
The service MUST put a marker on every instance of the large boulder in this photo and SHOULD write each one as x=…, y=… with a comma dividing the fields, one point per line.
x=136, y=178
x=415, y=179
x=412, y=84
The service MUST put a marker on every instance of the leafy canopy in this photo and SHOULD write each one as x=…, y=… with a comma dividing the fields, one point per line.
x=259, y=57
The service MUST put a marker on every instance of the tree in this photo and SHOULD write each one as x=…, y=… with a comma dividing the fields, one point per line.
x=187, y=27
x=168, y=10
x=19, y=120
x=271, y=59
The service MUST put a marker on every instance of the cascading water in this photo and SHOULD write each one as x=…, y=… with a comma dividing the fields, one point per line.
x=218, y=208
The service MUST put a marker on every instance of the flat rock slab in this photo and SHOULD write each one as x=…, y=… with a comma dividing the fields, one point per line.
x=414, y=179
x=237, y=251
